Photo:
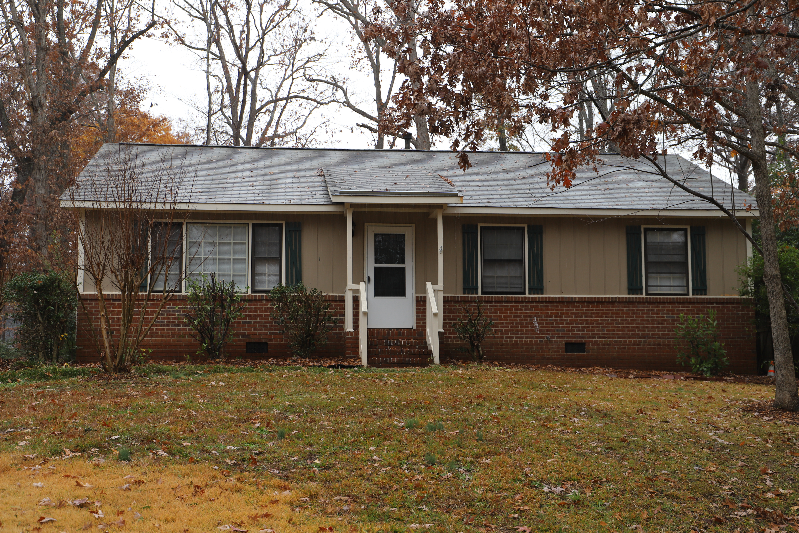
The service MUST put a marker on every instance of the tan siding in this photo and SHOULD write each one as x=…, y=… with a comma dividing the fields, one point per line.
x=581, y=257
x=584, y=259
x=567, y=259
x=453, y=256
x=553, y=277
x=615, y=257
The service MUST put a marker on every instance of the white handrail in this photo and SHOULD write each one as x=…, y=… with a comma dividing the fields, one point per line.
x=362, y=323
x=431, y=298
x=433, y=324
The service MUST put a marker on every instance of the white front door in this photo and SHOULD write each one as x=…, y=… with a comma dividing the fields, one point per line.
x=389, y=277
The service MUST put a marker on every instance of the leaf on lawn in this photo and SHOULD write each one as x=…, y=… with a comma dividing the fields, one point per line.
x=38, y=485
x=46, y=501
x=80, y=502
x=523, y=529
x=98, y=513
x=126, y=486
x=79, y=483
x=45, y=519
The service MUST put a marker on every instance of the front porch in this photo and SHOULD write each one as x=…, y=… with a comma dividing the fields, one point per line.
x=404, y=328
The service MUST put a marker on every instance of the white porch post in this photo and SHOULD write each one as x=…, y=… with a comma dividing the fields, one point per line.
x=81, y=252
x=440, y=286
x=348, y=290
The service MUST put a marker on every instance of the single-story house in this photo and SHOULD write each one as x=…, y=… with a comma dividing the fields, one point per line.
x=402, y=242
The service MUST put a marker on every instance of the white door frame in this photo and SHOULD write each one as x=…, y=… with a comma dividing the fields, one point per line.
x=402, y=321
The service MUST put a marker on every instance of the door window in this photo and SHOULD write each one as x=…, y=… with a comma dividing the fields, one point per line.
x=389, y=269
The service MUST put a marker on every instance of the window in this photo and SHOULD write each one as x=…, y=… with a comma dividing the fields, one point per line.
x=666, y=252
x=266, y=260
x=502, y=254
x=166, y=253
x=220, y=249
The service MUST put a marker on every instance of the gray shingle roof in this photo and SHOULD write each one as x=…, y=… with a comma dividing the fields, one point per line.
x=281, y=176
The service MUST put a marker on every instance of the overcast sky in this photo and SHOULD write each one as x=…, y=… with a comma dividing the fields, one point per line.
x=176, y=81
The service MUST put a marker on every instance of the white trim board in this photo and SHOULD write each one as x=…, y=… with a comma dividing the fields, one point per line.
x=553, y=211
x=183, y=206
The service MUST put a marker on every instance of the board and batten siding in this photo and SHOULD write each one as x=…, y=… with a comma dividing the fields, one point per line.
x=589, y=258
x=323, y=245
x=580, y=256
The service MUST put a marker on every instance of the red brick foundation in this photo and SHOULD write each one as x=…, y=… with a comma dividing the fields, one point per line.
x=618, y=331
x=170, y=338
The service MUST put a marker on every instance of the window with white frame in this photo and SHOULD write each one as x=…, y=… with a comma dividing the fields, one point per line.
x=266, y=256
x=502, y=260
x=666, y=261
x=220, y=249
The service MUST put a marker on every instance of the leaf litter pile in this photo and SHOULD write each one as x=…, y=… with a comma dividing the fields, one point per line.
x=438, y=449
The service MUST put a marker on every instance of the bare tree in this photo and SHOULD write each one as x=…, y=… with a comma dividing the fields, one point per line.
x=360, y=16
x=258, y=55
x=128, y=251
x=50, y=64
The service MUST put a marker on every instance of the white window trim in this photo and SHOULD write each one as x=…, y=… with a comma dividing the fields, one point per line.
x=643, y=258
x=249, y=224
x=480, y=255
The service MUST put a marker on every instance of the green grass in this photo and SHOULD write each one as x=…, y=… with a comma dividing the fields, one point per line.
x=454, y=447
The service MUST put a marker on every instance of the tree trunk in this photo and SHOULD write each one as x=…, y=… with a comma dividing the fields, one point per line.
x=741, y=165
x=785, y=394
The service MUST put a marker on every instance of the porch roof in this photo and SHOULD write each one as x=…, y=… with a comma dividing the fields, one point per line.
x=257, y=178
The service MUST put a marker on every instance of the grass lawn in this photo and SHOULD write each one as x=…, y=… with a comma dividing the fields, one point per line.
x=436, y=449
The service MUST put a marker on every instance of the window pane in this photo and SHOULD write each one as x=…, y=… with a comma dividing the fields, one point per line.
x=503, y=243
x=266, y=262
x=167, y=256
x=666, y=261
x=265, y=273
x=503, y=277
x=215, y=250
x=502, y=260
x=389, y=248
x=265, y=240
x=390, y=281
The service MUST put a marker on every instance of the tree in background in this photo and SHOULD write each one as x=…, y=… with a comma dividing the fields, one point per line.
x=703, y=72
x=131, y=123
x=51, y=62
x=360, y=15
x=258, y=55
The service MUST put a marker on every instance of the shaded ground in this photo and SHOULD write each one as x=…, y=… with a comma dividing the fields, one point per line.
x=461, y=448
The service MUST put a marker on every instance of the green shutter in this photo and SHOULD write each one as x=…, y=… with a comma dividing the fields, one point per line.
x=470, y=257
x=293, y=253
x=143, y=242
x=635, y=281
x=698, y=261
x=535, y=259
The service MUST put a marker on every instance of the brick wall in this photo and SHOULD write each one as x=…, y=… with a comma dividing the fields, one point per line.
x=618, y=331
x=170, y=338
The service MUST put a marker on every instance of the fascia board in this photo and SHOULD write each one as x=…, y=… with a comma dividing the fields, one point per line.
x=553, y=211
x=253, y=208
x=396, y=199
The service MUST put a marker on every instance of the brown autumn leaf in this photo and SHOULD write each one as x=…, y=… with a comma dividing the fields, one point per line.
x=45, y=519
x=79, y=483
x=79, y=502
